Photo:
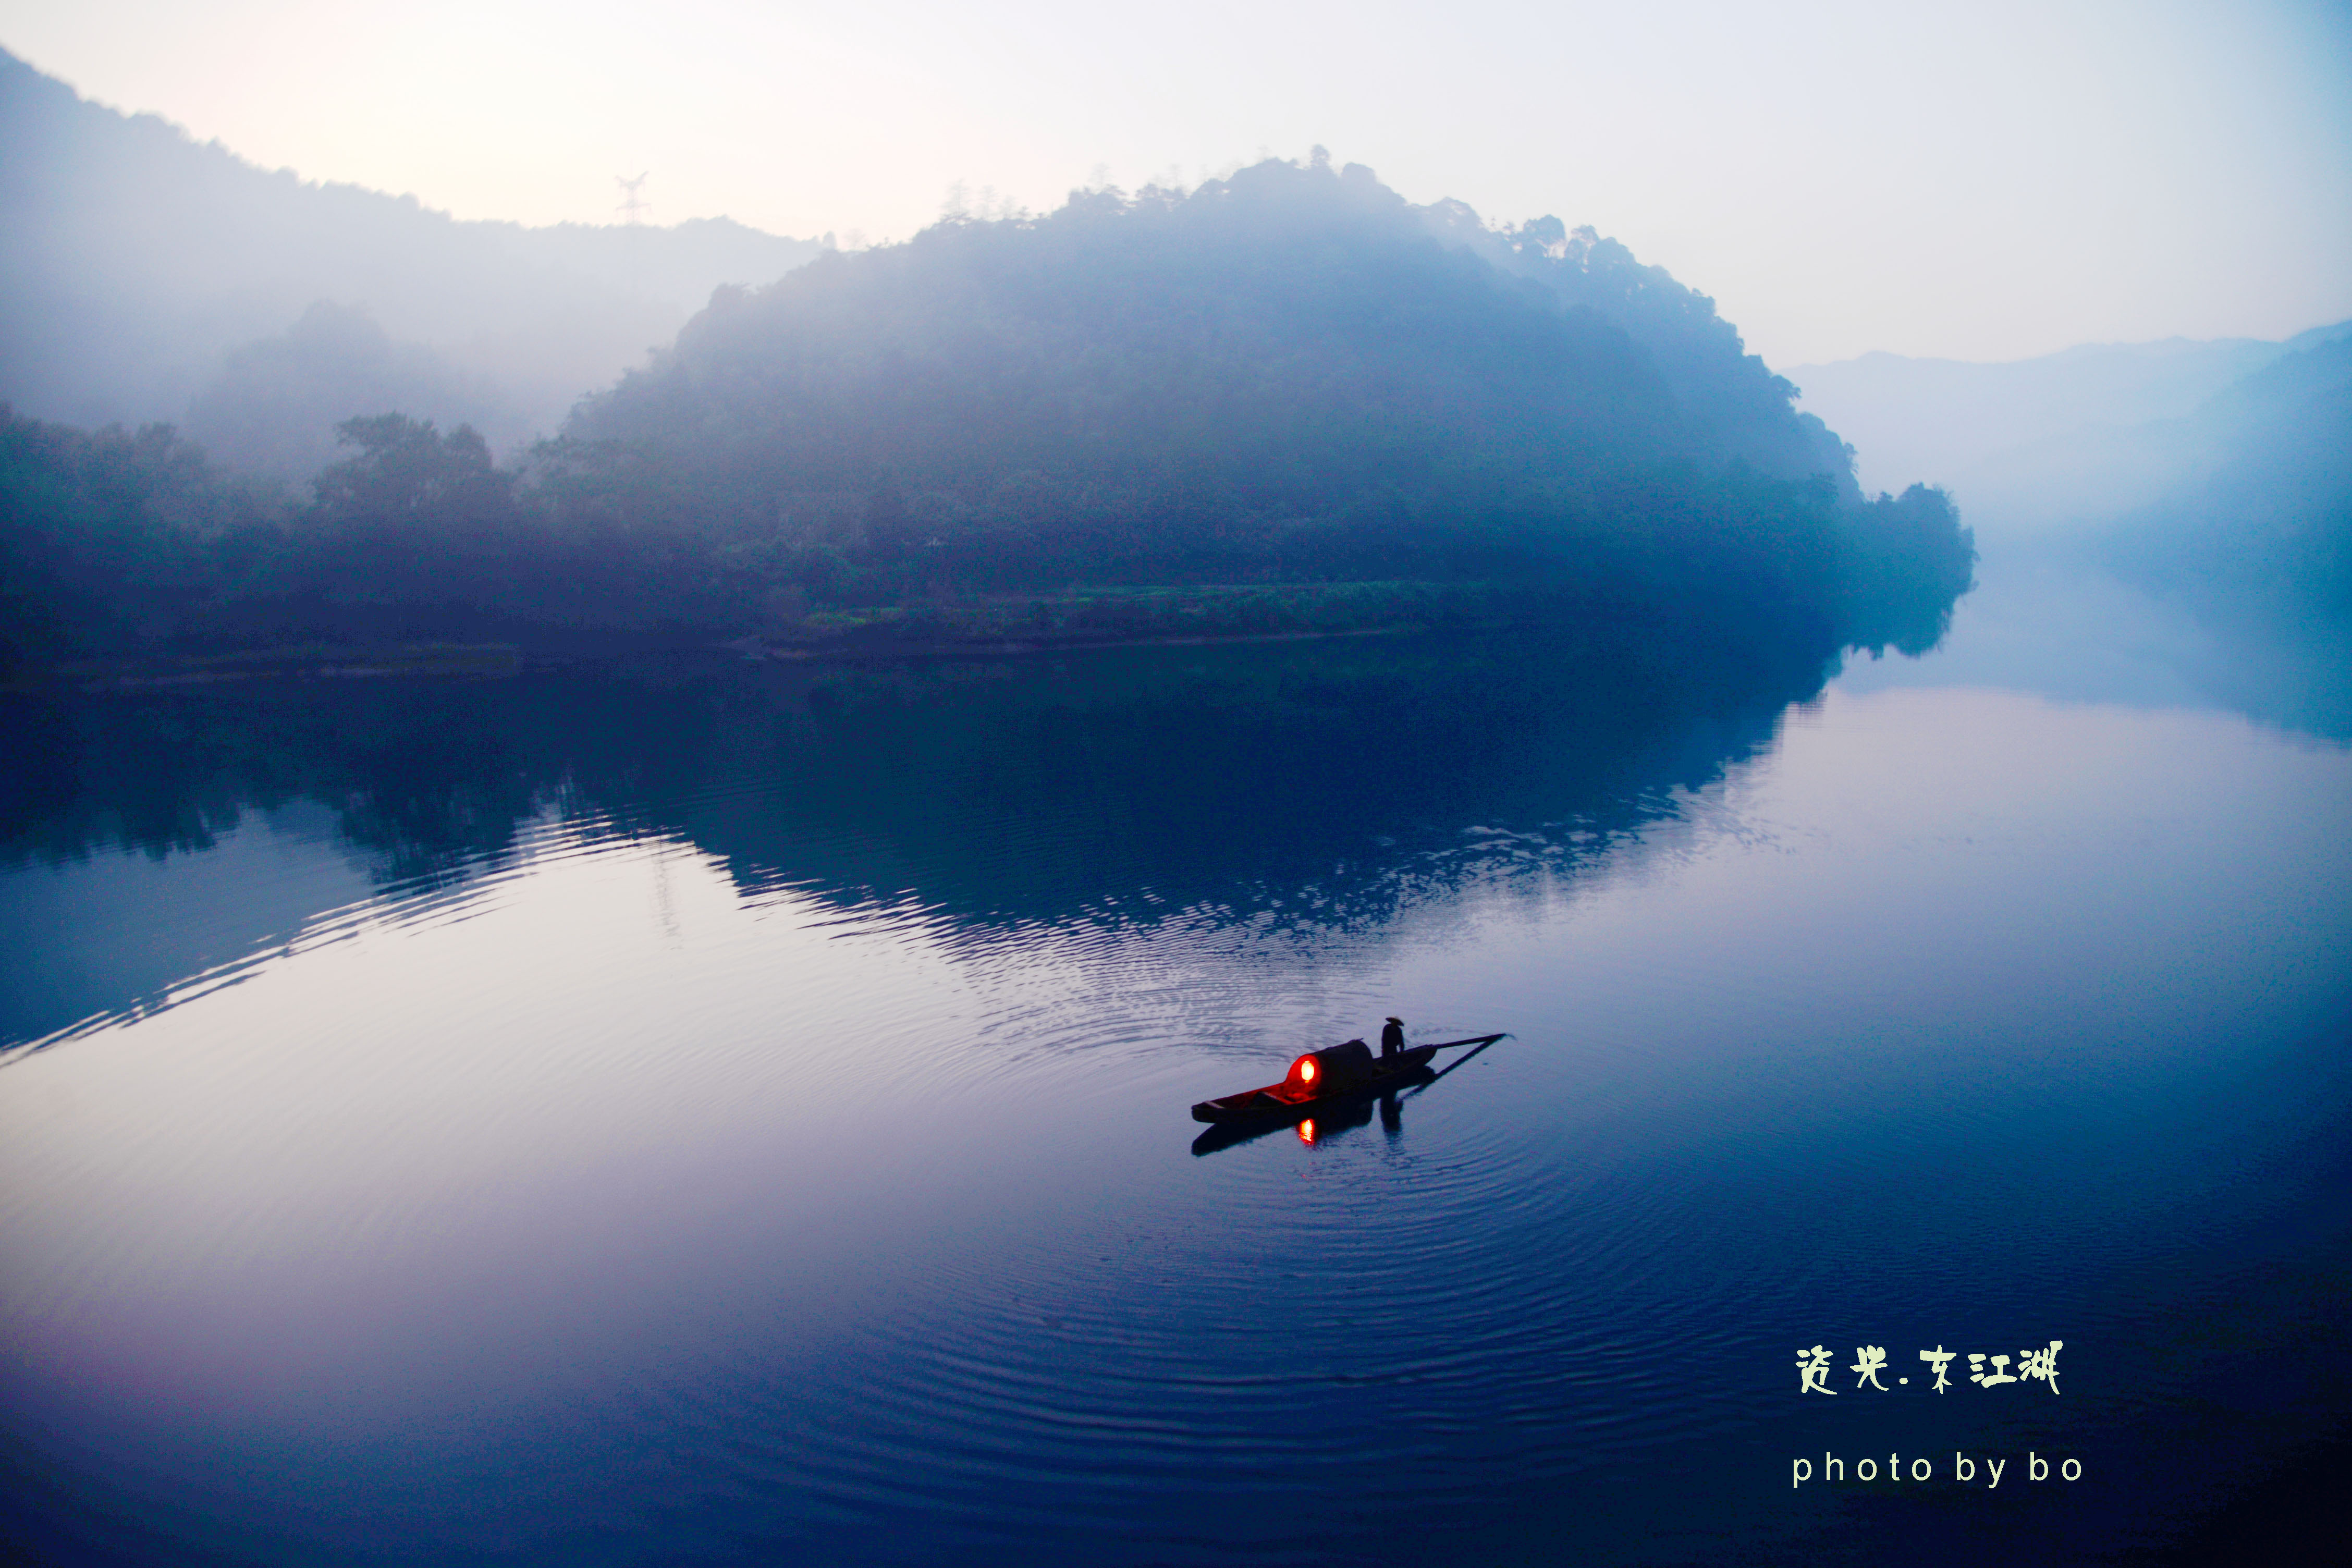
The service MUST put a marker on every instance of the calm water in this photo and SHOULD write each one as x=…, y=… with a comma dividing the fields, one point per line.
x=712, y=1114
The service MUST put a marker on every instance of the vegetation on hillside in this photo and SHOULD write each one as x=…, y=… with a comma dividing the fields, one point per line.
x=1281, y=382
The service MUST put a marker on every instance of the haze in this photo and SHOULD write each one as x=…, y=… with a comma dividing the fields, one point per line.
x=1978, y=183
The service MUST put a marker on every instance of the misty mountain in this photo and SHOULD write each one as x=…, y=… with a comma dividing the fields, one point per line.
x=1739, y=404
x=2258, y=515
x=136, y=264
x=2069, y=438
x=273, y=408
x=1221, y=410
x=1279, y=284
x=2217, y=472
x=1291, y=374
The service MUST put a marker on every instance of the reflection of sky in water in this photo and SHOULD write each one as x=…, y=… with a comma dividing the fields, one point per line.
x=633, y=1192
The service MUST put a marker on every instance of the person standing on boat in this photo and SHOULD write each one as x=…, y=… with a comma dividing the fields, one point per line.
x=1392, y=1038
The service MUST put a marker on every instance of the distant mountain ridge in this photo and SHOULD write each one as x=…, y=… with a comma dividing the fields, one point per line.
x=2219, y=473
x=2257, y=515
x=2072, y=437
x=135, y=262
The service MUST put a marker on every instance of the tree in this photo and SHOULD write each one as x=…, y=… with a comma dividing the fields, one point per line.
x=407, y=471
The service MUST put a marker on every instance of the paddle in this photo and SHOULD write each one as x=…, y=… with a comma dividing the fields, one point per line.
x=1480, y=1041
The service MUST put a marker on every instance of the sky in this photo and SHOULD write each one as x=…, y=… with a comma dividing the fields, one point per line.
x=1985, y=181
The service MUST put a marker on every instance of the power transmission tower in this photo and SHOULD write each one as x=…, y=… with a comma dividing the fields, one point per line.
x=634, y=207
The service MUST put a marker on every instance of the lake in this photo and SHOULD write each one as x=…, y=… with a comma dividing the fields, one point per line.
x=709, y=1112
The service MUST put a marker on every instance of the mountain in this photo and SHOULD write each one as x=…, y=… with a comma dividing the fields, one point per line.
x=1286, y=271
x=1285, y=400
x=1729, y=397
x=1288, y=374
x=140, y=270
x=273, y=407
x=2259, y=515
x=2067, y=438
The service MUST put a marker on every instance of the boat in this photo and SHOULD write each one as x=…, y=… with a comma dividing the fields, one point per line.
x=1331, y=1076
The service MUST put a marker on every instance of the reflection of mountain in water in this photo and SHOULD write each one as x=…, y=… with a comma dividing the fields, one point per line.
x=1221, y=778
x=1328, y=781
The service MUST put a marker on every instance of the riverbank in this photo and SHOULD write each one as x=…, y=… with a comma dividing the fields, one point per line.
x=1616, y=616
x=966, y=627
x=1130, y=617
x=312, y=661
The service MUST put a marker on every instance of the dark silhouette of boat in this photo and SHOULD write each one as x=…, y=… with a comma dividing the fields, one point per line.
x=1320, y=1080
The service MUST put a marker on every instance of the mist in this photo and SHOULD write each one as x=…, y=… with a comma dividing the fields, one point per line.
x=2160, y=522
x=632, y=852
x=2213, y=472
x=1259, y=391
x=145, y=277
x=2051, y=444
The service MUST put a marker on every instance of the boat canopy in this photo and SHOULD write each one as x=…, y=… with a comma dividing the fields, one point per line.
x=1332, y=1068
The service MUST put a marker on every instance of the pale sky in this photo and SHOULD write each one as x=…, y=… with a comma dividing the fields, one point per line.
x=1982, y=181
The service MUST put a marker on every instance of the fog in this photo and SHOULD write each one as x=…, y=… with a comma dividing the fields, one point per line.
x=1986, y=182
x=2163, y=524
x=1228, y=404
x=142, y=274
x=539, y=739
x=1257, y=377
x=2051, y=442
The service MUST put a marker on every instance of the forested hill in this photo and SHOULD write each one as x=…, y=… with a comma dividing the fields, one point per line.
x=1285, y=401
x=1287, y=343
x=1731, y=394
x=1290, y=373
x=2262, y=523
x=135, y=262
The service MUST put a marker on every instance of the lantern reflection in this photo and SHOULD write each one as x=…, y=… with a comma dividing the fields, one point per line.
x=1307, y=1132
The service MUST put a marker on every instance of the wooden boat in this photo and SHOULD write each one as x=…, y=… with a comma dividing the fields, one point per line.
x=1332, y=1074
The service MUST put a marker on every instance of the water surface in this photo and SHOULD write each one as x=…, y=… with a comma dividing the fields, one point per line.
x=705, y=1113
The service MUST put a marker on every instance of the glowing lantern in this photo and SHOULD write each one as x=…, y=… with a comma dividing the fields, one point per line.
x=1329, y=1070
x=1306, y=1131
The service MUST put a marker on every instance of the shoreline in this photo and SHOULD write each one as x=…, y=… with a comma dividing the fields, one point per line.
x=502, y=660
x=878, y=652
x=301, y=662
x=1007, y=627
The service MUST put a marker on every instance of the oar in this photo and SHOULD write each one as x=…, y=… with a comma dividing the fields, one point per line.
x=1480, y=1041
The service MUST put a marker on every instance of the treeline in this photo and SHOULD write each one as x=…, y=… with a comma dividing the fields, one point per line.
x=115, y=539
x=119, y=542
x=1289, y=377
